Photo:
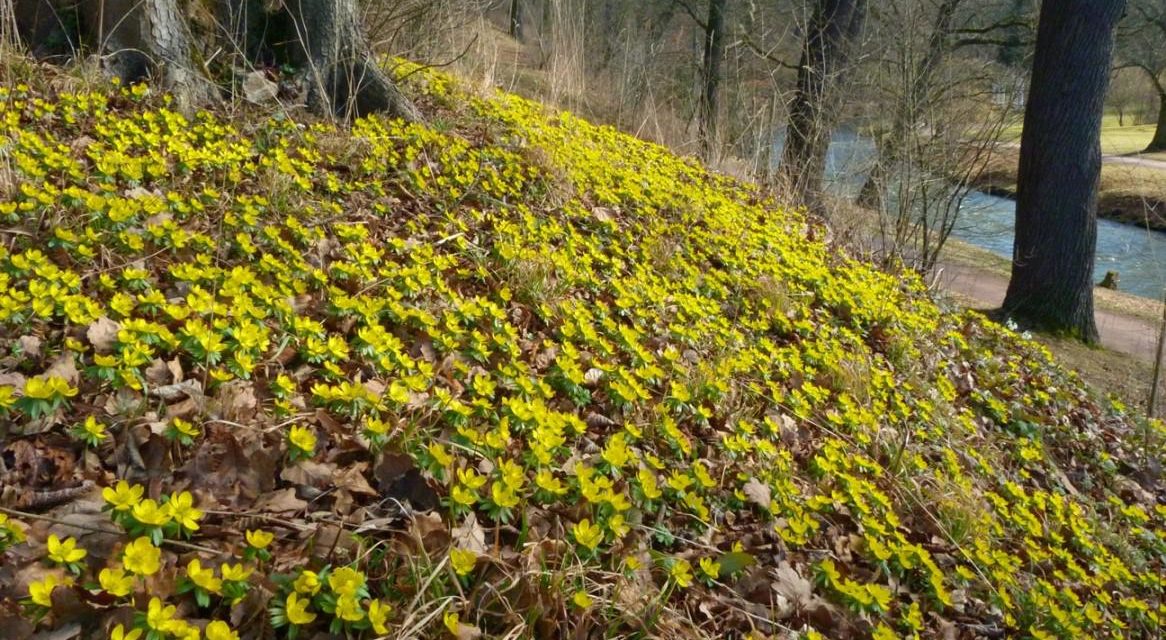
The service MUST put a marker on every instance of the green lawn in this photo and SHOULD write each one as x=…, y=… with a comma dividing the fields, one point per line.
x=1115, y=139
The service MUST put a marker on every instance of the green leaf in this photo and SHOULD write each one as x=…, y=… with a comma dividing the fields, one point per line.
x=735, y=562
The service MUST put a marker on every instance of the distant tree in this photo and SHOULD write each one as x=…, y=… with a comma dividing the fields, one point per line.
x=714, y=54
x=516, y=19
x=1060, y=168
x=1142, y=45
x=166, y=40
x=833, y=30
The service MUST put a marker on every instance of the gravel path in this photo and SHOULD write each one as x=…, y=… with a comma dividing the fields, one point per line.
x=1132, y=336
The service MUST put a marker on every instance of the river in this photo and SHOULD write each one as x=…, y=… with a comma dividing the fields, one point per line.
x=1138, y=255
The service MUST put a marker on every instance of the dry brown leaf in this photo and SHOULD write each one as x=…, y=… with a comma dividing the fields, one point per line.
x=308, y=472
x=282, y=501
x=430, y=531
x=469, y=535
x=352, y=479
x=158, y=373
x=65, y=366
x=237, y=402
x=758, y=493
x=29, y=346
x=102, y=334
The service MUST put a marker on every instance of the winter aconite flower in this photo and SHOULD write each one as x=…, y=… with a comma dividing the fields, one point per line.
x=348, y=608
x=150, y=513
x=582, y=600
x=259, y=538
x=587, y=534
x=204, y=578
x=115, y=582
x=141, y=557
x=378, y=615
x=219, y=630
x=160, y=616
x=302, y=441
x=297, y=610
x=119, y=633
x=64, y=552
x=681, y=573
x=41, y=592
x=181, y=509
x=308, y=583
x=123, y=497
x=463, y=561
x=346, y=581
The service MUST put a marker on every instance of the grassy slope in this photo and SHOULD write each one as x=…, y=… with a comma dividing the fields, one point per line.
x=1115, y=138
x=644, y=399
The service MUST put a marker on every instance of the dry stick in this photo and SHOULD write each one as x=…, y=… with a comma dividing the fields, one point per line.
x=1152, y=410
x=86, y=527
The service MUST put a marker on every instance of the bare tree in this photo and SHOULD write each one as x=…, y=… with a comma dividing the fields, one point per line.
x=141, y=39
x=831, y=34
x=1060, y=168
x=1142, y=45
x=714, y=54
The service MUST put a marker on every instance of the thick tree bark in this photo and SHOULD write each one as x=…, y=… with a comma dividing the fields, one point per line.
x=344, y=79
x=516, y=19
x=1158, y=143
x=152, y=39
x=834, y=28
x=1060, y=168
x=714, y=54
x=910, y=108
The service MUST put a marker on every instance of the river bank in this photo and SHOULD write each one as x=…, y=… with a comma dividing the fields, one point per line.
x=1133, y=191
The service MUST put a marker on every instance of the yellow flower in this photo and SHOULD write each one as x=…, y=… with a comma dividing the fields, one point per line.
x=160, y=616
x=297, y=610
x=463, y=560
x=150, y=513
x=452, y=622
x=378, y=615
x=681, y=572
x=307, y=583
x=181, y=508
x=119, y=633
x=235, y=573
x=582, y=600
x=348, y=608
x=439, y=453
x=65, y=552
x=259, y=538
x=94, y=429
x=142, y=558
x=115, y=581
x=710, y=568
x=185, y=428
x=303, y=439
x=587, y=534
x=41, y=593
x=219, y=630
x=204, y=579
x=346, y=581
x=124, y=496
x=48, y=388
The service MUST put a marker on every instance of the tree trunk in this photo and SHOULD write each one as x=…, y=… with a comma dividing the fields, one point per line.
x=834, y=28
x=910, y=108
x=1158, y=143
x=516, y=19
x=1060, y=168
x=714, y=54
x=149, y=38
x=344, y=79
x=152, y=39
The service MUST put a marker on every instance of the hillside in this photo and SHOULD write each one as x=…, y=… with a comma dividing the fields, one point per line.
x=509, y=373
